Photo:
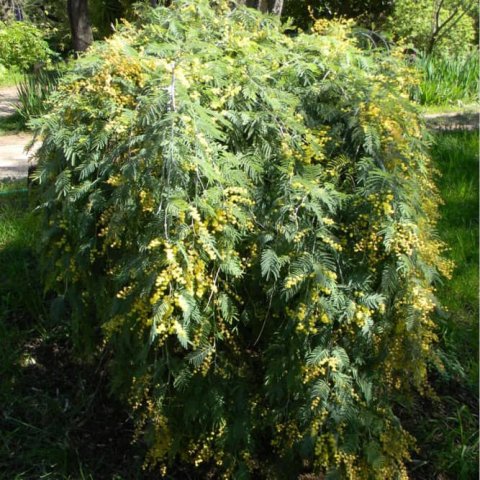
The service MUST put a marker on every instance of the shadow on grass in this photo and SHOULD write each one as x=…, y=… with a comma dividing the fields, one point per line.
x=12, y=124
x=57, y=419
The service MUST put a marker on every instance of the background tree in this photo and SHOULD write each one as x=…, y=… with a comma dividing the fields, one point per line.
x=443, y=25
x=265, y=6
x=82, y=36
x=368, y=13
x=11, y=9
x=446, y=17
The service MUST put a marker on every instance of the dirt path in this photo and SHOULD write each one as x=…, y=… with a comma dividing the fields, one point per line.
x=14, y=160
x=468, y=120
x=8, y=100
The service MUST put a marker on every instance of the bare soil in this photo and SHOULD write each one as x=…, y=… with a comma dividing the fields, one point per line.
x=452, y=121
x=8, y=101
x=14, y=158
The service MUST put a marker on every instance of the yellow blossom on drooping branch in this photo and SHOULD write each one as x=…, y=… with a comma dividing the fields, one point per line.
x=245, y=221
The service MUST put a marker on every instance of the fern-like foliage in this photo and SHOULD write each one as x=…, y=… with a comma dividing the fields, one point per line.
x=246, y=221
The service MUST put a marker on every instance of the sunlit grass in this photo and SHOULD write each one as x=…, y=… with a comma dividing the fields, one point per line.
x=456, y=155
x=465, y=108
x=447, y=428
x=10, y=77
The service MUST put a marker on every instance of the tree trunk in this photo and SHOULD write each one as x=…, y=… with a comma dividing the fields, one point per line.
x=266, y=6
x=276, y=7
x=82, y=35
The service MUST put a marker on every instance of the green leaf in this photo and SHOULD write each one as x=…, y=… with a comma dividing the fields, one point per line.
x=270, y=264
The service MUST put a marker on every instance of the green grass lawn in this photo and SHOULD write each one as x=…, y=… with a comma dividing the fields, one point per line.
x=456, y=155
x=448, y=430
x=463, y=108
x=58, y=422
x=10, y=77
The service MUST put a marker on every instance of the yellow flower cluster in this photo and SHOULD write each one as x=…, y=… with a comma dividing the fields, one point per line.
x=362, y=313
x=114, y=180
x=325, y=449
x=394, y=442
x=336, y=245
x=158, y=451
x=406, y=239
x=305, y=323
x=313, y=143
x=146, y=201
x=382, y=203
x=207, y=448
x=191, y=276
x=293, y=280
x=338, y=28
x=104, y=83
x=222, y=97
x=308, y=316
x=320, y=369
x=286, y=434
x=202, y=232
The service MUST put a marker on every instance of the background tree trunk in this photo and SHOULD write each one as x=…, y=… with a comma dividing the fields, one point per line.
x=277, y=7
x=82, y=35
x=266, y=6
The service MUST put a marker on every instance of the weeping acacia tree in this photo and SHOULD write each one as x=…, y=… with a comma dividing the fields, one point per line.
x=244, y=223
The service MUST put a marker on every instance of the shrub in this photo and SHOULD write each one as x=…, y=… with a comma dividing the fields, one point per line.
x=22, y=45
x=245, y=221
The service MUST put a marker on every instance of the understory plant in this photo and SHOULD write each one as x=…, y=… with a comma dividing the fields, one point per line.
x=447, y=79
x=35, y=89
x=244, y=222
x=22, y=46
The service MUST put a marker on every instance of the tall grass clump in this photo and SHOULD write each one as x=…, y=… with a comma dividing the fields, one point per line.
x=447, y=80
x=244, y=223
x=34, y=91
